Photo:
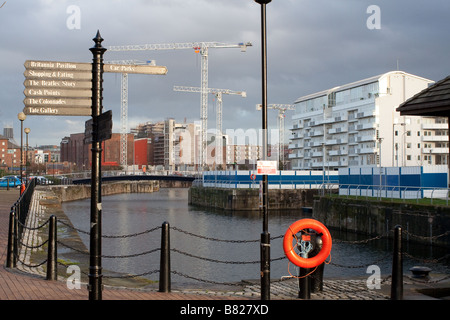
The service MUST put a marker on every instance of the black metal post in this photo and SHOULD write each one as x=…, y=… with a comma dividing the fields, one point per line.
x=26, y=156
x=164, y=269
x=21, y=118
x=304, y=291
x=10, y=261
x=52, y=269
x=16, y=234
x=265, y=236
x=397, y=266
x=95, y=264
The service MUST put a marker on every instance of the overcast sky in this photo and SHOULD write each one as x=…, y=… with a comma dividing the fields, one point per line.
x=313, y=45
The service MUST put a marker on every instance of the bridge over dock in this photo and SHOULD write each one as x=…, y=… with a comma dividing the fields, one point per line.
x=166, y=181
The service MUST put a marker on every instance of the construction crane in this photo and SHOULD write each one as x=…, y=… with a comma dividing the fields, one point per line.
x=198, y=47
x=124, y=107
x=218, y=93
x=282, y=108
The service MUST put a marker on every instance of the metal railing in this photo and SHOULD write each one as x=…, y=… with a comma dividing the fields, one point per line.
x=395, y=192
x=285, y=184
x=165, y=253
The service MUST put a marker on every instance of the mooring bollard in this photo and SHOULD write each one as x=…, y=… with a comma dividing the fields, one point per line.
x=304, y=285
x=304, y=291
x=52, y=271
x=164, y=269
x=397, y=266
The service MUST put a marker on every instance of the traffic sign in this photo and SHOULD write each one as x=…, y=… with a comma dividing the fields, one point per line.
x=139, y=69
x=63, y=84
x=104, y=127
x=56, y=102
x=65, y=88
x=57, y=65
x=57, y=74
x=57, y=92
x=57, y=88
x=57, y=111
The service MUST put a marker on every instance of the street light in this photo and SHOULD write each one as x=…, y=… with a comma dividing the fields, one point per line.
x=27, y=131
x=21, y=116
x=265, y=236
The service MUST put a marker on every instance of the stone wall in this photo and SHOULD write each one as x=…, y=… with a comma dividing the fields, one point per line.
x=423, y=223
x=78, y=192
x=248, y=199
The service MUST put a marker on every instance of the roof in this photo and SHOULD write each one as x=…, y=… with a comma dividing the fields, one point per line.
x=354, y=85
x=432, y=101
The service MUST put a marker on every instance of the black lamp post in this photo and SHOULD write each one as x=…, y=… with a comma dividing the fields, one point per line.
x=27, y=131
x=265, y=235
x=21, y=116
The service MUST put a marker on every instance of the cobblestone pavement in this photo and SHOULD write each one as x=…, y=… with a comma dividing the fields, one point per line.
x=341, y=289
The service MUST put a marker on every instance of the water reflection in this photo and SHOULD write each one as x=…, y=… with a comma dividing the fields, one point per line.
x=127, y=214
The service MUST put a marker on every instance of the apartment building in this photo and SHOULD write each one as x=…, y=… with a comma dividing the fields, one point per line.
x=357, y=125
x=170, y=144
x=246, y=154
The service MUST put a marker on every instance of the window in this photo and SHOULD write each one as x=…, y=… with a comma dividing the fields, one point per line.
x=418, y=133
x=408, y=157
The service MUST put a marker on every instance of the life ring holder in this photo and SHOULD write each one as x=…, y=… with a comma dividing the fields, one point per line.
x=289, y=247
x=253, y=176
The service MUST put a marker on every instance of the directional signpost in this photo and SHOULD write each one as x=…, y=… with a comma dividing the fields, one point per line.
x=54, y=88
x=140, y=69
x=57, y=88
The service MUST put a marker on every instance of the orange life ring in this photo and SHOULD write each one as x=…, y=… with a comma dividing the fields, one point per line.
x=289, y=248
x=253, y=176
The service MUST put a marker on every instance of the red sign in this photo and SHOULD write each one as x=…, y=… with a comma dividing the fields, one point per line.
x=267, y=167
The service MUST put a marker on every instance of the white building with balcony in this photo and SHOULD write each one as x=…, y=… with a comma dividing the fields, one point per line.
x=357, y=125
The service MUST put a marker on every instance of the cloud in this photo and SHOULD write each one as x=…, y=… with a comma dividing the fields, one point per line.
x=312, y=46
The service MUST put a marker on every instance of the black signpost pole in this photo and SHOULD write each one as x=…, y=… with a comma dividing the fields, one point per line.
x=95, y=264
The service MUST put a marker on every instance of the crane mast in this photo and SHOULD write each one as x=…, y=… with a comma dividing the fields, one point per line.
x=218, y=93
x=198, y=47
x=124, y=108
x=282, y=108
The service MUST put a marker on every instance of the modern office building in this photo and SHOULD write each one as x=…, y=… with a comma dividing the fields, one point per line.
x=357, y=125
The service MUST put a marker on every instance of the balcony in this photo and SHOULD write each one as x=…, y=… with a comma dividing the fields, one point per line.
x=365, y=126
x=337, y=152
x=337, y=130
x=435, y=138
x=366, y=150
x=365, y=138
x=434, y=126
x=366, y=114
x=434, y=150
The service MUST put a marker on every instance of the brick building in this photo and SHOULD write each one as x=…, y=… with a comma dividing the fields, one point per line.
x=75, y=151
x=9, y=154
